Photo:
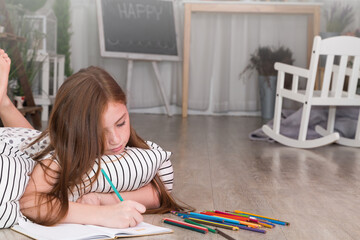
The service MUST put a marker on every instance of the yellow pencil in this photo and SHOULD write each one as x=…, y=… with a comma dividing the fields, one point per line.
x=255, y=215
x=266, y=225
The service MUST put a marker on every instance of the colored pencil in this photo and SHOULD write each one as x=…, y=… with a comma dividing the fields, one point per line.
x=182, y=225
x=112, y=185
x=224, y=235
x=215, y=224
x=213, y=218
x=247, y=228
x=273, y=220
x=227, y=213
x=266, y=224
x=231, y=216
x=187, y=224
x=249, y=224
x=195, y=223
x=180, y=214
x=252, y=217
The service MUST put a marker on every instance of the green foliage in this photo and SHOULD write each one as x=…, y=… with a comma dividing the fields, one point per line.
x=264, y=58
x=32, y=40
x=62, y=11
x=30, y=5
x=338, y=17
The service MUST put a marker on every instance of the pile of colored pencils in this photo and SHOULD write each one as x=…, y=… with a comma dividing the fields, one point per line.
x=231, y=220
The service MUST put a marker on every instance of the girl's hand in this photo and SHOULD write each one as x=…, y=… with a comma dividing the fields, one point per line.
x=122, y=215
x=90, y=198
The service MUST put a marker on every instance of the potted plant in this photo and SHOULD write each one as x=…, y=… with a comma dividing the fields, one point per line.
x=28, y=50
x=263, y=60
x=62, y=11
x=337, y=18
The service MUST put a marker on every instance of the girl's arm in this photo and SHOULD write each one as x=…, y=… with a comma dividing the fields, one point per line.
x=9, y=114
x=119, y=215
x=146, y=195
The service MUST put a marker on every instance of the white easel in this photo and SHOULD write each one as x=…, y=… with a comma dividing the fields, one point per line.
x=158, y=79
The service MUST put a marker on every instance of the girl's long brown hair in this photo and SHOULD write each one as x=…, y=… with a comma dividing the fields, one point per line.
x=77, y=139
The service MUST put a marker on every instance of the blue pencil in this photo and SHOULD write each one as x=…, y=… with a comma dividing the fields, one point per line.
x=112, y=185
x=180, y=214
x=213, y=218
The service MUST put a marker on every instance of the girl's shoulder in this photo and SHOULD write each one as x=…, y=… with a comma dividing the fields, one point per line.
x=21, y=138
x=16, y=136
x=153, y=145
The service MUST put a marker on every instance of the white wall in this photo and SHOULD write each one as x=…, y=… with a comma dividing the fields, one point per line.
x=220, y=48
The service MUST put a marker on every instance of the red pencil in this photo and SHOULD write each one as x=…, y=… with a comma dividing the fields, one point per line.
x=243, y=222
x=231, y=216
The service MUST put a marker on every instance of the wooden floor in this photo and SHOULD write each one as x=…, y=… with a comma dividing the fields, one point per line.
x=217, y=167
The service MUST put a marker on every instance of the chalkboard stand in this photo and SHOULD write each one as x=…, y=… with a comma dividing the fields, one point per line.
x=143, y=30
x=158, y=79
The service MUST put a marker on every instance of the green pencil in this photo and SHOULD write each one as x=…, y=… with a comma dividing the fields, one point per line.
x=112, y=185
x=195, y=223
x=184, y=226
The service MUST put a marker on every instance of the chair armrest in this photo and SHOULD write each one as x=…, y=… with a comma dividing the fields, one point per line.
x=302, y=72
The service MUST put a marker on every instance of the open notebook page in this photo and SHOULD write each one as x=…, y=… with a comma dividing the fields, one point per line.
x=79, y=231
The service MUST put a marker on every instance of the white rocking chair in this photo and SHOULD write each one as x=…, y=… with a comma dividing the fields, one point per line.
x=331, y=93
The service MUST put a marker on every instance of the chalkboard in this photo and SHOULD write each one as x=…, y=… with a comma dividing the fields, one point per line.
x=137, y=29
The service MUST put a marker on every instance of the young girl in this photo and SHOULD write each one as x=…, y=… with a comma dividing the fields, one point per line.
x=89, y=119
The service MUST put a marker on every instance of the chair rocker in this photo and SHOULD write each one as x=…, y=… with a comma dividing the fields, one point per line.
x=332, y=92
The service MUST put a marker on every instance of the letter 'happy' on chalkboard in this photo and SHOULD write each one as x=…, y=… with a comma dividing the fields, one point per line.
x=137, y=29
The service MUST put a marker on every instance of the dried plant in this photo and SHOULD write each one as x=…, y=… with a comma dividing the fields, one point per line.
x=264, y=58
x=338, y=17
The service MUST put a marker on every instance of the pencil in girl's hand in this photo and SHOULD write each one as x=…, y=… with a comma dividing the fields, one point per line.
x=112, y=185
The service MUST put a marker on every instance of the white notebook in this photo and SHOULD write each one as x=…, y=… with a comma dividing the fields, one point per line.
x=79, y=231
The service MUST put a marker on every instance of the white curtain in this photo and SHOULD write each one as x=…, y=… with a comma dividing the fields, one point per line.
x=220, y=49
x=221, y=45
